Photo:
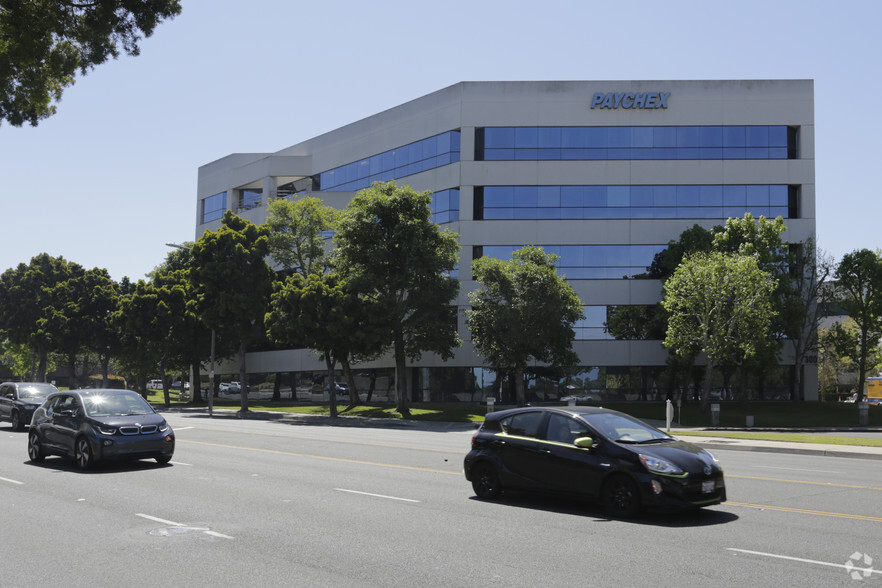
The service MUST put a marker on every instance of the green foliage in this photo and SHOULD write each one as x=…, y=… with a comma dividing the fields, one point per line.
x=29, y=301
x=525, y=311
x=718, y=304
x=232, y=283
x=390, y=251
x=859, y=295
x=295, y=237
x=230, y=277
x=44, y=43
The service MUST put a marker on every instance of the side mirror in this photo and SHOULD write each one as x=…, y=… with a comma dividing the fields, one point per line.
x=584, y=442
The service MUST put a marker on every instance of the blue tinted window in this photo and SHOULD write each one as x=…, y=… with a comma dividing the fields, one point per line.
x=214, y=207
x=400, y=162
x=445, y=206
x=638, y=142
x=631, y=202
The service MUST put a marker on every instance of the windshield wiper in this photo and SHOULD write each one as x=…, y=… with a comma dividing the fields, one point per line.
x=656, y=440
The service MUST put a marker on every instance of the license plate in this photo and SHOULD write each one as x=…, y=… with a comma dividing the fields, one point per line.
x=708, y=486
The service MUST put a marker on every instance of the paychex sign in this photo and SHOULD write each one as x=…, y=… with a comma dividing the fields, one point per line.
x=613, y=100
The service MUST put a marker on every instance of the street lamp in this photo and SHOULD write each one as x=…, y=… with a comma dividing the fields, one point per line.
x=211, y=361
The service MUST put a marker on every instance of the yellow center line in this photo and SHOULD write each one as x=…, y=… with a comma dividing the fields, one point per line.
x=305, y=438
x=820, y=513
x=324, y=457
x=831, y=484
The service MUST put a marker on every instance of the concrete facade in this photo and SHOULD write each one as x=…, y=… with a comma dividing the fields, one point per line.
x=471, y=107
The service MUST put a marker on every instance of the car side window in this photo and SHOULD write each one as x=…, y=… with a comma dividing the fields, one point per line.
x=564, y=429
x=525, y=424
x=4, y=390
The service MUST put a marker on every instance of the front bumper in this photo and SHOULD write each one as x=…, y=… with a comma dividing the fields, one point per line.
x=682, y=492
x=135, y=446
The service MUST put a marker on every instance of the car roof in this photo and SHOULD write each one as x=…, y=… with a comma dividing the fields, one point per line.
x=95, y=392
x=28, y=383
x=570, y=410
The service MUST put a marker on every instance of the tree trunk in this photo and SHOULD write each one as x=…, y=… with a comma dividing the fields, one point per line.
x=400, y=374
x=350, y=382
x=332, y=388
x=243, y=379
x=706, y=385
x=518, y=377
x=277, y=387
x=373, y=384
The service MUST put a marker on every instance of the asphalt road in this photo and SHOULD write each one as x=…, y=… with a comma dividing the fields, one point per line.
x=296, y=503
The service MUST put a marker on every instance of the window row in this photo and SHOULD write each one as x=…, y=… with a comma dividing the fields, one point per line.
x=616, y=143
x=396, y=163
x=214, y=207
x=445, y=206
x=587, y=262
x=633, y=202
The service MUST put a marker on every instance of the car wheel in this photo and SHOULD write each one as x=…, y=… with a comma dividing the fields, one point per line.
x=17, y=424
x=83, y=453
x=621, y=497
x=163, y=459
x=35, y=448
x=485, y=481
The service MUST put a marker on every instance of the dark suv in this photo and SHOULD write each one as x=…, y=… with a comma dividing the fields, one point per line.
x=594, y=453
x=18, y=400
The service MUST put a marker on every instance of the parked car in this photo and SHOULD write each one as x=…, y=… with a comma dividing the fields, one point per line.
x=154, y=385
x=230, y=387
x=599, y=454
x=19, y=400
x=92, y=425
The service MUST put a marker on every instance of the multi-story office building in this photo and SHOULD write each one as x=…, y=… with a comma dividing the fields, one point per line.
x=604, y=174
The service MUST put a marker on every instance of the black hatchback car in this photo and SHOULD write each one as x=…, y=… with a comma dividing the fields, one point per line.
x=600, y=454
x=19, y=400
x=100, y=424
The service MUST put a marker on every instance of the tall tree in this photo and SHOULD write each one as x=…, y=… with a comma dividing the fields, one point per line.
x=524, y=311
x=320, y=311
x=296, y=233
x=26, y=299
x=719, y=304
x=859, y=294
x=44, y=43
x=391, y=252
x=233, y=283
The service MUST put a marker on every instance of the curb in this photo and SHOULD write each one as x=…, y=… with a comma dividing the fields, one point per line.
x=785, y=449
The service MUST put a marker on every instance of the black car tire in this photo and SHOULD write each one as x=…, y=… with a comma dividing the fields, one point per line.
x=163, y=459
x=35, y=448
x=17, y=423
x=485, y=481
x=621, y=496
x=83, y=453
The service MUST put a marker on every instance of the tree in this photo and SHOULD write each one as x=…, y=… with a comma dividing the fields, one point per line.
x=525, y=311
x=859, y=294
x=232, y=283
x=719, y=304
x=296, y=229
x=26, y=299
x=44, y=43
x=320, y=311
x=391, y=253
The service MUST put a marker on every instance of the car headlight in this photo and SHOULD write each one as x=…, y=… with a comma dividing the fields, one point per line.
x=712, y=456
x=106, y=430
x=659, y=466
x=163, y=427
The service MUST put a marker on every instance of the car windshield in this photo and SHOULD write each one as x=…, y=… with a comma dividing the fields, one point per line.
x=35, y=391
x=102, y=405
x=625, y=429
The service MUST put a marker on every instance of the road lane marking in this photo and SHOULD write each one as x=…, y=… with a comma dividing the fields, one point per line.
x=376, y=495
x=344, y=441
x=325, y=457
x=12, y=481
x=831, y=484
x=803, y=560
x=820, y=513
x=798, y=470
x=204, y=530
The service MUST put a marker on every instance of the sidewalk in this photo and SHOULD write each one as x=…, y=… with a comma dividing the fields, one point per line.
x=725, y=443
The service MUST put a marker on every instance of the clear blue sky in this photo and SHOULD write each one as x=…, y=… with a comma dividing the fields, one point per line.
x=112, y=177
